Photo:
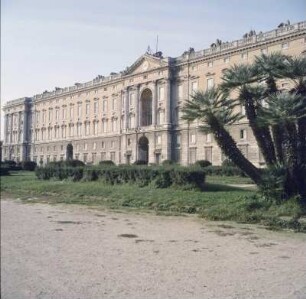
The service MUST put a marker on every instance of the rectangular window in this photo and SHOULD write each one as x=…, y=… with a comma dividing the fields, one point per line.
x=103, y=144
x=159, y=140
x=208, y=138
x=79, y=110
x=208, y=154
x=210, y=64
x=192, y=155
x=210, y=83
x=94, y=146
x=194, y=87
x=71, y=111
x=114, y=104
x=242, y=110
x=57, y=114
x=192, y=138
x=85, y=146
x=113, y=156
x=103, y=156
x=226, y=60
x=104, y=106
x=243, y=134
x=87, y=108
x=96, y=107
x=244, y=56
x=285, y=46
x=64, y=113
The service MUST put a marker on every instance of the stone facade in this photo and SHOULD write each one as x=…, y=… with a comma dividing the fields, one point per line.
x=135, y=115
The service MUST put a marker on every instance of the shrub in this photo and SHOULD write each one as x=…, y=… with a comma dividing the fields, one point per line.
x=228, y=163
x=159, y=177
x=224, y=171
x=140, y=162
x=168, y=162
x=202, y=163
x=67, y=163
x=28, y=165
x=4, y=171
x=106, y=163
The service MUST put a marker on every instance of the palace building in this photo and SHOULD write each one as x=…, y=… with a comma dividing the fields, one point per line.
x=136, y=114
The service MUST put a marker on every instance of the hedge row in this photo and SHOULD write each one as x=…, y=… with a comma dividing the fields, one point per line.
x=224, y=171
x=182, y=177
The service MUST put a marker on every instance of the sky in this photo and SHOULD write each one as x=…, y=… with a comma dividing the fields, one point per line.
x=48, y=43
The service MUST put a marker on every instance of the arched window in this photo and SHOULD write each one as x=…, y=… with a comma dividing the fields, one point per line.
x=146, y=107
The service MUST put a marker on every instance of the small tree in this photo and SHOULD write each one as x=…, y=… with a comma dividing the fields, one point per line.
x=69, y=152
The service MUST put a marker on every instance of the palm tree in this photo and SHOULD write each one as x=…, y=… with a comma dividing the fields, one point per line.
x=215, y=111
x=287, y=109
x=241, y=78
x=269, y=68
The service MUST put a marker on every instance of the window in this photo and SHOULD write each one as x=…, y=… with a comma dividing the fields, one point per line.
x=64, y=132
x=94, y=156
x=71, y=130
x=131, y=121
x=104, y=106
x=208, y=138
x=160, y=117
x=208, y=154
x=244, y=56
x=103, y=156
x=210, y=83
x=264, y=51
x=129, y=141
x=95, y=128
x=85, y=146
x=192, y=138
x=57, y=114
x=226, y=60
x=210, y=64
x=178, y=140
x=114, y=125
x=85, y=158
x=242, y=109
x=87, y=108
x=94, y=146
x=79, y=110
x=44, y=116
x=113, y=156
x=96, y=107
x=104, y=125
x=71, y=111
x=161, y=93
x=87, y=128
x=194, y=87
x=64, y=113
x=158, y=140
x=50, y=115
x=285, y=46
x=112, y=144
x=114, y=104
x=79, y=129
x=103, y=144
x=243, y=134
x=192, y=155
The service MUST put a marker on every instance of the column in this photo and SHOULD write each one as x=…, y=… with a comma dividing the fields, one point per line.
x=126, y=109
x=5, y=129
x=154, y=103
x=137, y=105
x=168, y=103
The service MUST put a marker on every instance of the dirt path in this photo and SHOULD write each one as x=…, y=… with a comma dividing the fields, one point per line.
x=67, y=252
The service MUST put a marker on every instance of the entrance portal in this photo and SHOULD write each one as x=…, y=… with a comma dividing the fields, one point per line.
x=143, y=149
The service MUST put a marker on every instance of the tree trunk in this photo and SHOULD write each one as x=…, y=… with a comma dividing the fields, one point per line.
x=230, y=149
x=278, y=138
x=261, y=134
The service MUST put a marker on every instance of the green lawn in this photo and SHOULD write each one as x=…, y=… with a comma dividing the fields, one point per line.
x=218, y=202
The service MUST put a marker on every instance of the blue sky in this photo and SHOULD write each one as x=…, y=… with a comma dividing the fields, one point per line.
x=48, y=43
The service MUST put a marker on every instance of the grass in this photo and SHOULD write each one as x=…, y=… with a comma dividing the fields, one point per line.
x=217, y=202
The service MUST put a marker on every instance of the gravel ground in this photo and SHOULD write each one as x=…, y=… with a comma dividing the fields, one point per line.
x=68, y=252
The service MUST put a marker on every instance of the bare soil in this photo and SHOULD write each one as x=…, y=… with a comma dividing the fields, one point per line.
x=72, y=252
